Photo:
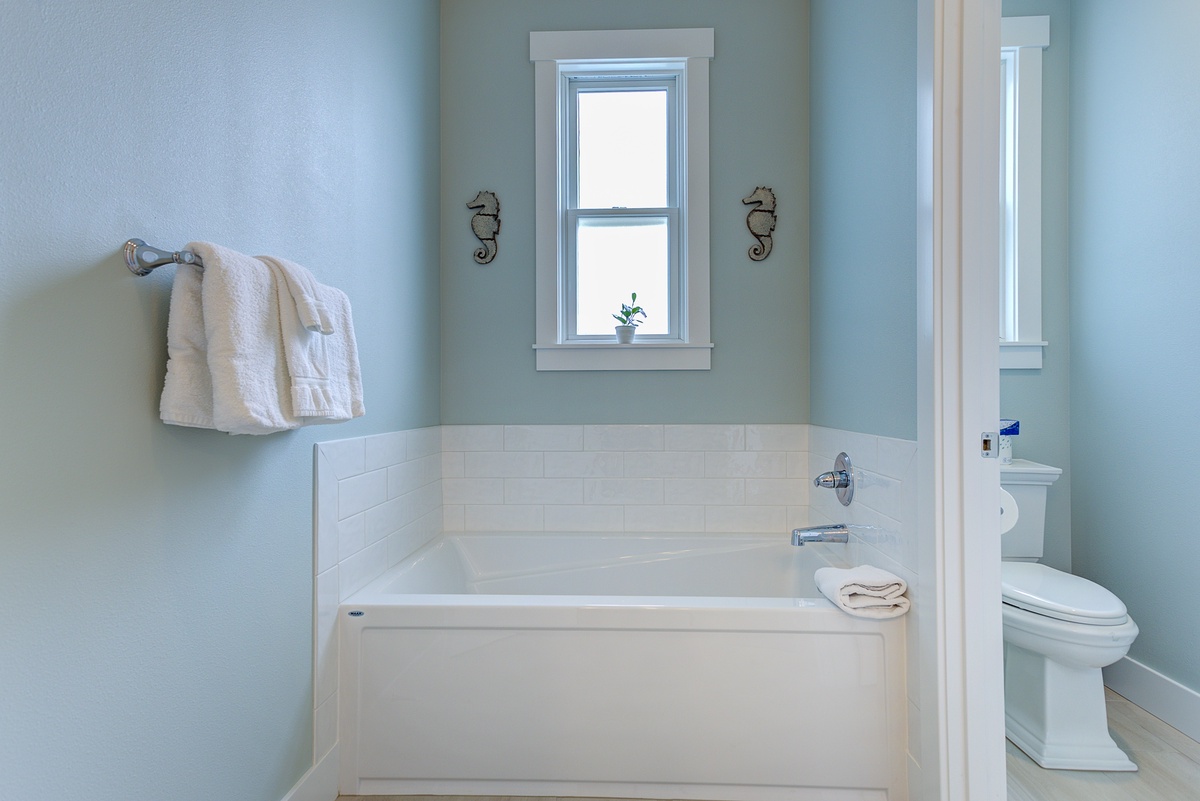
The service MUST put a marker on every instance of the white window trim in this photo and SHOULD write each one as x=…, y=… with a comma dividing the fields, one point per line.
x=1025, y=38
x=552, y=52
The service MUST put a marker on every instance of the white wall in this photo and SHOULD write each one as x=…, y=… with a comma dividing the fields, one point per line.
x=155, y=581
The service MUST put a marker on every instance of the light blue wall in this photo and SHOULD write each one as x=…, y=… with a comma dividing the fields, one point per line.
x=1135, y=334
x=155, y=582
x=759, y=128
x=1040, y=398
x=863, y=323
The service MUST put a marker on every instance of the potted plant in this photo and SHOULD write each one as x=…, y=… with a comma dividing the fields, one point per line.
x=628, y=320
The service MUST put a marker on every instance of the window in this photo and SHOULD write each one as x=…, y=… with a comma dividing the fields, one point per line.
x=1022, y=40
x=621, y=140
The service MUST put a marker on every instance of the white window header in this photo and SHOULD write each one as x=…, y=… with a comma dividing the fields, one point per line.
x=1024, y=32
x=621, y=45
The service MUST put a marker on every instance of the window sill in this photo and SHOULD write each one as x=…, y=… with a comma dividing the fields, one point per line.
x=636, y=356
x=1021, y=355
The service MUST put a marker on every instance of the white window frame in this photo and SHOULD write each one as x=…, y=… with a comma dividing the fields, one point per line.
x=1022, y=40
x=558, y=55
x=590, y=78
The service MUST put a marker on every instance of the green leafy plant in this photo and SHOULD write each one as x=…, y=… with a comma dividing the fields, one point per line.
x=629, y=312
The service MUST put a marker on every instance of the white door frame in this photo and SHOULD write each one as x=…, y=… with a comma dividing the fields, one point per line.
x=962, y=730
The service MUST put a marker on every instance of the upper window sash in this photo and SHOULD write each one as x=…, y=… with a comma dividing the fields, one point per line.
x=631, y=80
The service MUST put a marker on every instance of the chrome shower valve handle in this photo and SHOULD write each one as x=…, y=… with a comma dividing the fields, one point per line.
x=840, y=478
x=832, y=480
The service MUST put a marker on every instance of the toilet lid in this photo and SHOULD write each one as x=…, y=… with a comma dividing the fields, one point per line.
x=1050, y=592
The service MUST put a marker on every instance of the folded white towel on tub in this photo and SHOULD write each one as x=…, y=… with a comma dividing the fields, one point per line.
x=864, y=591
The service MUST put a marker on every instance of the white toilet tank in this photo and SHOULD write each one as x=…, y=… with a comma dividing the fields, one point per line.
x=1027, y=482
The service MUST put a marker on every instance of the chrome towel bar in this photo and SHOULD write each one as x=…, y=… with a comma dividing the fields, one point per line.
x=142, y=259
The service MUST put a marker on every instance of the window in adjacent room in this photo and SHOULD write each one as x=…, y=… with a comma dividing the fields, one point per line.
x=1022, y=42
x=621, y=139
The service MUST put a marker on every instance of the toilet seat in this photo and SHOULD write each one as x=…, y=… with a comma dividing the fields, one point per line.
x=1045, y=591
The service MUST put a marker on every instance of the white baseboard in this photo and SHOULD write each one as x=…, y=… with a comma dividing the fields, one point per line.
x=1163, y=697
x=319, y=783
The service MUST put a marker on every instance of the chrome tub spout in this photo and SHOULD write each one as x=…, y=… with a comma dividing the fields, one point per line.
x=834, y=532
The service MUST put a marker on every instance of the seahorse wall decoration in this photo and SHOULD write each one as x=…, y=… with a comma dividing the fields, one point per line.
x=761, y=221
x=485, y=223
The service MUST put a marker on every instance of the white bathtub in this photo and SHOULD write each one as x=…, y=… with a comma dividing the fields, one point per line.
x=699, y=667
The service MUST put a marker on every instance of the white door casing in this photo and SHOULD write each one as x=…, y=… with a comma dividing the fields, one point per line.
x=962, y=734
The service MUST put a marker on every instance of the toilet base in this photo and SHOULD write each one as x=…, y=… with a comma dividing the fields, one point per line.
x=1056, y=714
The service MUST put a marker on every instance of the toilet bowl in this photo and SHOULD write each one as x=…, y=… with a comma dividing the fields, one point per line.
x=1060, y=630
x=1054, y=705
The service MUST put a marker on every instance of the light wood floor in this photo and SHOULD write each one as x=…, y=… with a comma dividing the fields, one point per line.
x=1168, y=768
x=1168, y=765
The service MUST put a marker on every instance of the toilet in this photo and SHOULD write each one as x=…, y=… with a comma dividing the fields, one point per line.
x=1059, y=631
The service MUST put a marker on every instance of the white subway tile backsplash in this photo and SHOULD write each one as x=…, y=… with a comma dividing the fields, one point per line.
x=473, y=438
x=877, y=491
x=347, y=457
x=775, y=491
x=704, y=437
x=543, y=438
x=761, y=437
x=623, y=438
x=504, y=464
x=386, y=518
x=325, y=513
x=664, y=464
x=504, y=518
x=664, y=519
x=543, y=490
x=424, y=442
x=454, y=464
x=384, y=450
x=359, y=493
x=585, y=518
x=623, y=491
x=352, y=535
x=473, y=490
x=747, y=464
x=798, y=465
x=827, y=443
x=584, y=464
x=882, y=514
x=424, y=500
x=740, y=519
x=760, y=473
x=406, y=477
x=402, y=543
x=798, y=517
x=704, y=491
x=897, y=458
x=454, y=517
x=358, y=570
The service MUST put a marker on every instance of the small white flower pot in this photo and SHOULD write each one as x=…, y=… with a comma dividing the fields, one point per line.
x=625, y=333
